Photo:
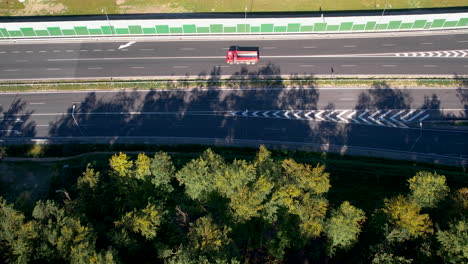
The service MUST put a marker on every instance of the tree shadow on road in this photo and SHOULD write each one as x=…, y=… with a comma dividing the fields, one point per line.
x=15, y=121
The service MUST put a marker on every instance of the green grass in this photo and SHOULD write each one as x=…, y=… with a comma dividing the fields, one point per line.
x=75, y=7
x=249, y=83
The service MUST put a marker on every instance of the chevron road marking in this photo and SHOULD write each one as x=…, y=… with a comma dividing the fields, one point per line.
x=341, y=118
x=382, y=117
x=371, y=117
x=297, y=114
x=318, y=116
x=361, y=115
x=352, y=114
x=423, y=118
x=407, y=115
x=396, y=121
x=416, y=115
x=329, y=116
x=307, y=115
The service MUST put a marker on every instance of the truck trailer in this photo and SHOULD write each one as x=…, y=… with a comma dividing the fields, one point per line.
x=242, y=55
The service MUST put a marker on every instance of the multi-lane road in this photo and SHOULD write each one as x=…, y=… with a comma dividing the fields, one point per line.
x=370, y=119
x=405, y=121
x=383, y=55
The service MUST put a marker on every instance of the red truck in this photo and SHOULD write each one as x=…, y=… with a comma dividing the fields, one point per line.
x=242, y=55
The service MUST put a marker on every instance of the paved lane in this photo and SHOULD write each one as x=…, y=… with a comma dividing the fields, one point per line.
x=438, y=54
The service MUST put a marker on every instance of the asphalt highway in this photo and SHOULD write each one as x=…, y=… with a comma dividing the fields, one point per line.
x=380, y=118
x=445, y=54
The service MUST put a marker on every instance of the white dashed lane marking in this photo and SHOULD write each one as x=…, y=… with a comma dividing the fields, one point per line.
x=310, y=47
x=95, y=68
x=15, y=51
x=179, y=66
x=269, y=47
x=42, y=51
x=138, y=67
x=388, y=45
x=307, y=65
x=69, y=50
x=348, y=65
x=350, y=46
x=187, y=48
x=430, y=65
x=388, y=65
x=39, y=103
x=29, y=51
x=10, y=70
x=97, y=50
x=83, y=50
x=146, y=49
x=53, y=69
x=56, y=51
x=426, y=43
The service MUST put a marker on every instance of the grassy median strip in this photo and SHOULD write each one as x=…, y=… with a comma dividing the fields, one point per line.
x=83, y=7
x=229, y=83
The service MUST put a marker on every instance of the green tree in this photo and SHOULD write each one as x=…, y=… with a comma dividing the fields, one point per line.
x=344, y=226
x=145, y=221
x=142, y=166
x=63, y=238
x=315, y=180
x=312, y=213
x=198, y=175
x=389, y=258
x=16, y=235
x=122, y=165
x=406, y=220
x=454, y=242
x=89, y=179
x=162, y=171
x=208, y=237
x=427, y=189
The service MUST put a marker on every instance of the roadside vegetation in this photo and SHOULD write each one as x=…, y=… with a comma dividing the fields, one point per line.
x=231, y=205
x=87, y=7
x=217, y=82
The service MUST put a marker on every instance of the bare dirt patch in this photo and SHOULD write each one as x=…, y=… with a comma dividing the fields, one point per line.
x=39, y=7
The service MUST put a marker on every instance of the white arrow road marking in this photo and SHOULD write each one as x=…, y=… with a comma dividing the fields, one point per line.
x=439, y=54
x=416, y=115
x=245, y=113
x=255, y=113
x=341, y=118
x=127, y=45
x=234, y=113
x=276, y=114
x=396, y=121
x=361, y=117
x=407, y=115
x=318, y=115
x=307, y=115
x=286, y=114
x=297, y=114
x=329, y=116
x=352, y=114
x=382, y=118
x=371, y=117
x=266, y=114
x=423, y=118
